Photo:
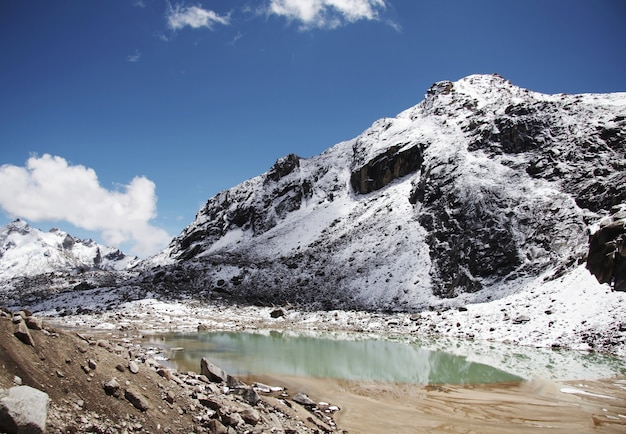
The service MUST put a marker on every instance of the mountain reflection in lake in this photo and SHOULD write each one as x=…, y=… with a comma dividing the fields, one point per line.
x=306, y=356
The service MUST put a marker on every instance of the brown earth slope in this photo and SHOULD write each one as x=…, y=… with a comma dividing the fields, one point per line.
x=76, y=371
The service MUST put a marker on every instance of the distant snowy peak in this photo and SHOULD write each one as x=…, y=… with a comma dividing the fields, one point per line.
x=27, y=251
x=473, y=191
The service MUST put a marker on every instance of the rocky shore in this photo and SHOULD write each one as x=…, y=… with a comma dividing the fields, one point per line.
x=60, y=381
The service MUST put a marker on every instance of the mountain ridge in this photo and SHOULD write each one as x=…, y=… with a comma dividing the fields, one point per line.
x=26, y=251
x=482, y=185
x=466, y=196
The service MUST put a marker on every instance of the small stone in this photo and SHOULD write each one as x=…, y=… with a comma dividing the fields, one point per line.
x=60, y=374
x=137, y=399
x=120, y=367
x=521, y=319
x=233, y=382
x=112, y=387
x=303, y=399
x=133, y=367
x=92, y=364
x=277, y=313
x=250, y=396
x=165, y=373
x=232, y=419
x=209, y=402
x=251, y=416
x=17, y=380
x=215, y=426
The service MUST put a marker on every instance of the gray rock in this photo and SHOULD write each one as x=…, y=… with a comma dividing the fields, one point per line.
x=137, y=399
x=133, y=367
x=250, y=396
x=23, y=334
x=232, y=419
x=112, y=387
x=212, y=372
x=303, y=399
x=251, y=416
x=209, y=402
x=34, y=323
x=277, y=313
x=521, y=319
x=215, y=426
x=23, y=409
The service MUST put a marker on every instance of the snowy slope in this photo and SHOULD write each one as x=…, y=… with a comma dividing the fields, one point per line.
x=474, y=192
x=27, y=251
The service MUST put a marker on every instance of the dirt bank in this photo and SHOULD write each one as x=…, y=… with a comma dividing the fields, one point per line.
x=110, y=384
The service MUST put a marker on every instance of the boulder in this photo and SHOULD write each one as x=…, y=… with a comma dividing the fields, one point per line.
x=23, y=334
x=23, y=409
x=212, y=372
x=34, y=323
x=277, y=313
x=112, y=387
x=303, y=399
x=250, y=396
x=137, y=399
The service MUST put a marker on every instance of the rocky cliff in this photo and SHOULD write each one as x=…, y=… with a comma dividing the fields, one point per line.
x=478, y=188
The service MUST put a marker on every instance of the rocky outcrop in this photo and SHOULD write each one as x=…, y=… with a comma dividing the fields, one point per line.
x=392, y=164
x=606, y=259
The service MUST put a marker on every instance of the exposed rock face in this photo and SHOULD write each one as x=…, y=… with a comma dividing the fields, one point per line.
x=394, y=163
x=607, y=251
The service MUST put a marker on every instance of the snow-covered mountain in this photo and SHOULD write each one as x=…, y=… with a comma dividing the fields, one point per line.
x=26, y=251
x=478, y=189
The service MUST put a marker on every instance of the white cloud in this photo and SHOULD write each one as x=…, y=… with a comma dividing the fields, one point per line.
x=133, y=58
x=195, y=17
x=48, y=188
x=326, y=13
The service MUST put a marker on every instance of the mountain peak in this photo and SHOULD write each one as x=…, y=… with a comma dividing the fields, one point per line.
x=27, y=251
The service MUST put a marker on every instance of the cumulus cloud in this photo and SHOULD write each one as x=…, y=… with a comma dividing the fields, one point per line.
x=195, y=17
x=326, y=13
x=49, y=188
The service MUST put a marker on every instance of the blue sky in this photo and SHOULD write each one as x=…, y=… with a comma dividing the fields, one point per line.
x=107, y=106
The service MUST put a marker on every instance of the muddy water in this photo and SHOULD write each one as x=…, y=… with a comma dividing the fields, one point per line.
x=401, y=387
x=528, y=406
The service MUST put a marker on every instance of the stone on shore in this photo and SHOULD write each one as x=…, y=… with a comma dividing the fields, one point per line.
x=212, y=372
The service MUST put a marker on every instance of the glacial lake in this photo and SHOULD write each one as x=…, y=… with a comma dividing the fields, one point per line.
x=363, y=358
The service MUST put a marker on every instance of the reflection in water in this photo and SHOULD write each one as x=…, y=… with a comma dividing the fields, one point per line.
x=376, y=360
